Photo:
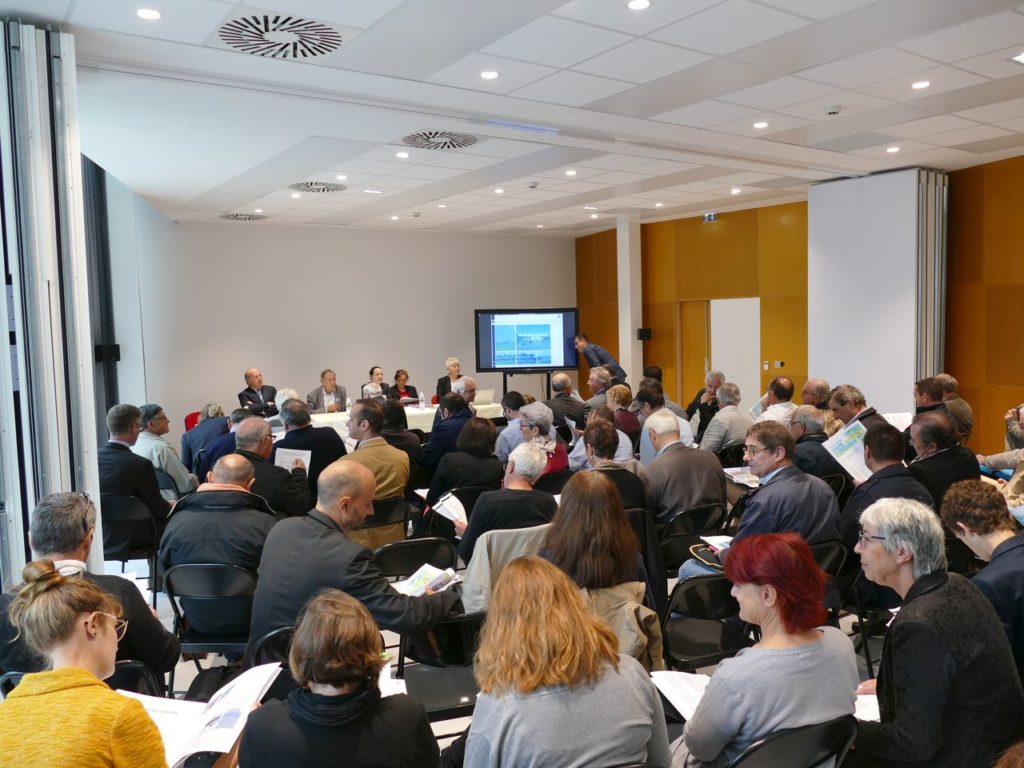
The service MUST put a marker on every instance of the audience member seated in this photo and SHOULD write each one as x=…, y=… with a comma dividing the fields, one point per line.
x=223, y=445
x=680, y=477
x=212, y=424
x=62, y=531
x=599, y=381
x=578, y=455
x=257, y=396
x=651, y=399
x=947, y=686
x=807, y=426
x=122, y=473
x=799, y=673
x=815, y=392
x=536, y=423
x=927, y=399
x=324, y=444
x=158, y=452
x=454, y=413
x=287, y=492
x=591, y=540
x=976, y=513
x=375, y=388
x=848, y=405
x=67, y=715
x=444, y=384
x=222, y=522
x=706, y=402
x=465, y=386
x=959, y=410
x=728, y=427
x=554, y=691
x=618, y=399
x=472, y=463
x=1015, y=427
x=401, y=389
x=338, y=717
x=306, y=554
x=601, y=439
x=566, y=408
x=512, y=434
x=517, y=505
x=778, y=402
x=654, y=372
x=328, y=397
x=941, y=460
x=396, y=432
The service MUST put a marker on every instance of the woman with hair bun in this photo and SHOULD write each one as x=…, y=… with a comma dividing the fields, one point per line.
x=68, y=716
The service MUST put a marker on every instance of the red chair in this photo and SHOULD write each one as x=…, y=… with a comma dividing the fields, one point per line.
x=433, y=399
x=191, y=420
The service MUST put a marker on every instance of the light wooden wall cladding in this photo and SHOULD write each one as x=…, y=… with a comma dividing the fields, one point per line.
x=597, y=294
x=985, y=294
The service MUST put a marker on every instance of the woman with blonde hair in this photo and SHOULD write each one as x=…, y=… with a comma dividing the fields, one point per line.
x=67, y=715
x=554, y=690
x=618, y=399
x=337, y=717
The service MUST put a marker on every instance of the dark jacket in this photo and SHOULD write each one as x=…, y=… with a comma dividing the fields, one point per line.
x=325, y=444
x=306, y=554
x=459, y=468
x=869, y=417
x=707, y=412
x=286, y=492
x=947, y=689
x=681, y=478
x=393, y=392
x=566, y=408
x=811, y=457
x=630, y=485
x=407, y=441
x=200, y=436
x=505, y=509
x=313, y=731
x=791, y=501
x=892, y=482
x=940, y=470
x=1002, y=582
x=444, y=386
x=443, y=438
x=248, y=398
x=122, y=473
x=597, y=355
x=214, y=450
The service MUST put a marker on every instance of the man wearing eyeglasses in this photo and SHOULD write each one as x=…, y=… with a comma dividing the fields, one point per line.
x=62, y=530
x=161, y=454
x=122, y=473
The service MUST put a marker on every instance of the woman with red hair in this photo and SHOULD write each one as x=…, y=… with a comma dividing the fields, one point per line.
x=800, y=673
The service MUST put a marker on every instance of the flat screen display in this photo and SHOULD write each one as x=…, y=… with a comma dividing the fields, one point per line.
x=526, y=339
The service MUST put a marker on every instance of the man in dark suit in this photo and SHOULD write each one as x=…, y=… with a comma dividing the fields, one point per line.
x=122, y=473
x=927, y=399
x=222, y=446
x=455, y=413
x=679, y=477
x=566, y=408
x=848, y=404
x=287, y=491
x=807, y=426
x=212, y=424
x=56, y=534
x=323, y=443
x=256, y=396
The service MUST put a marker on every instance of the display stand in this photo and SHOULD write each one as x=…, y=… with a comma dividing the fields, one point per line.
x=547, y=381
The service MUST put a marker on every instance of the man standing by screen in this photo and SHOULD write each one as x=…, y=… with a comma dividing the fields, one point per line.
x=597, y=355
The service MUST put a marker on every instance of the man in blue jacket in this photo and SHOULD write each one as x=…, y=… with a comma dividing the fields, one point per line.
x=597, y=355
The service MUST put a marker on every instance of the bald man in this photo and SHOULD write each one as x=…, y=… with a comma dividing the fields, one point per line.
x=222, y=522
x=257, y=396
x=815, y=392
x=286, y=491
x=306, y=554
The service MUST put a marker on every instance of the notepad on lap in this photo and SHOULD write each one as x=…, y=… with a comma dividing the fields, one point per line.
x=683, y=690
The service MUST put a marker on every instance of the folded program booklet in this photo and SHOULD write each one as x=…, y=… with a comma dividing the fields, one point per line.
x=427, y=577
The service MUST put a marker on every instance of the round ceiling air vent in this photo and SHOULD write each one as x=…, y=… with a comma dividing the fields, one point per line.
x=280, y=37
x=445, y=140
x=317, y=186
x=242, y=217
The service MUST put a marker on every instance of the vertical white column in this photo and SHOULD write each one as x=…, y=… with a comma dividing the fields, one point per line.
x=630, y=284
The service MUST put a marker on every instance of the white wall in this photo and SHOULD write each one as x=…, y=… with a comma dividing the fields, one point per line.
x=861, y=286
x=736, y=345
x=219, y=298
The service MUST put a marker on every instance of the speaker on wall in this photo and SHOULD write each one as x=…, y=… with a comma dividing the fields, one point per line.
x=643, y=334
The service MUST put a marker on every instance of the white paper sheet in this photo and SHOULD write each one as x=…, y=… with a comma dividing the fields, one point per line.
x=449, y=506
x=717, y=543
x=847, y=447
x=866, y=707
x=285, y=458
x=684, y=690
x=899, y=420
x=743, y=476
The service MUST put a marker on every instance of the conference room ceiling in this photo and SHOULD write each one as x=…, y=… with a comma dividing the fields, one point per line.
x=597, y=112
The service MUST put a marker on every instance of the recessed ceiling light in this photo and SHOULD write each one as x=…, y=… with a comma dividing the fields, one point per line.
x=296, y=195
x=402, y=155
x=441, y=205
x=659, y=205
x=920, y=85
x=540, y=226
x=499, y=191
x=489, y=74
x=1019, y=58
x=148, y=14
x=594, y=215
x=570, y=172
x=589, y=207
x=394, y=218
x=341, y=177
x=735, y=191
x=638, y=5
x=257, y=210
x=760, y=124
x=892, y=150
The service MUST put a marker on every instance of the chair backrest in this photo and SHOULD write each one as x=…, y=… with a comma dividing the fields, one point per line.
x=706, y=518
x=8, y=682
x=388, y=512
x=804, y=747
x=492, y=552
x=731, y=456
x=837, y=483
x=402, y=558
x=704, y=597
x=646, y=530
x=433, y=399
x=136, y=676
x=272, y=647
x=732, y=520
x=450, y=643
x=128, y=527
x=165, y=482
x=553, y=482
x=468, y=494
x=207, y=583
x=830, y=557
x=191, y=419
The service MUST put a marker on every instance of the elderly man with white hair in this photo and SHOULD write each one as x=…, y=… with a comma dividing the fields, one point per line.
x=706, y=402
x=947, y=687
x=535, y=421
x=516, y=505
x=680, y=477
x=729, y=426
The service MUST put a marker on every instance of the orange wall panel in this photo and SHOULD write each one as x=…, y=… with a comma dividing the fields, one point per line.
x=658, y=267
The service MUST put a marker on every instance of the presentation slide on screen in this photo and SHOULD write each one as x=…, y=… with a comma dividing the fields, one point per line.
x=527, y=340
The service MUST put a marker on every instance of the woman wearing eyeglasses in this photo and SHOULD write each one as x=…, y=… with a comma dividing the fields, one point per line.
x=67, y=715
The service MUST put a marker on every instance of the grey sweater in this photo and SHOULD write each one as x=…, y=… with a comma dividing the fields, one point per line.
x=760, y=691
x=615, y=721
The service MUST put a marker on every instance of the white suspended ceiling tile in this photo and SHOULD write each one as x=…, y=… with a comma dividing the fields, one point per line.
x=966, y=135
x=359, y=15
x=505, y=148
x=907, y=147
x=971, y=38
x=704, y=114
x=465, y=162
x=387, y=154
x=619, y=177
x=431, y=172
x=1016, y=125
x=849, y=103
x=749, y=177
x=995, y=113
x=817, y=9
x=928, y=126
x=941, y=78
x=512, y=74
x=572, y=89
x=614, y=14
x=558, y=174
x=556, y=42
x=730, y=26
x=641, y=61
x=997, y=64
x=615, y=162
x=662, y=167
x=398, y=181
x=868, y=67
x=577, y=186
x=372, y=167
x=183, y=21
x=782, y=92
x=776, y=122
x=697, y=186
x=541, y=194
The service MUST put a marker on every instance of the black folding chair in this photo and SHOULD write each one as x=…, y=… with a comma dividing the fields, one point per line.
x=272, y=647
x=697, y=631
x=685, y=530
x=805, y=747
x=732, y=520
x=165, y=482
x=646, y=530
x=209, y=589
x=468, y=494
x=731, y=456
x=129, y=533
x=136, y=676
x=8, y=682
x=837, y=483
x=389, y=512
x=553, y=482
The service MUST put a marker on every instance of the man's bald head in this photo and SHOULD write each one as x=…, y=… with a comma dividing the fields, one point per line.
x=250, y=434
x=345, y=493
x=232, y=470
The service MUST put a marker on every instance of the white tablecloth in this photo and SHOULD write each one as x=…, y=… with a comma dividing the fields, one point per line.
x=419, y=418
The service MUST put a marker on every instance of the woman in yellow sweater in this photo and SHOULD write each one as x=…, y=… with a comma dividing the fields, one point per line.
x=68, y=717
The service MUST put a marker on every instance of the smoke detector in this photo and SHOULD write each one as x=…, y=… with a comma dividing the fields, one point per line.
x=280, y=36
x=317, y=186
x=242, y=217
x=440, y=140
